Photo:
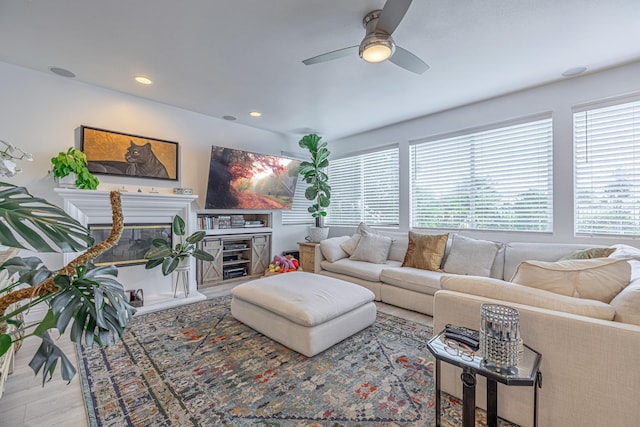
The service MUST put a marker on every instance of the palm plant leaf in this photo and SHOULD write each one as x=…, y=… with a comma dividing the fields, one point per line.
x=29, y=222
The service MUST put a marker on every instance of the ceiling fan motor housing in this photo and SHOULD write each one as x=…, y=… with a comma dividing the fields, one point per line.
x=379, y=43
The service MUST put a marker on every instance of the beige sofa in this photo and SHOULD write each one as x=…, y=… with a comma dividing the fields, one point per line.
x=590, y=348
x=414, y=288
x=590, y=367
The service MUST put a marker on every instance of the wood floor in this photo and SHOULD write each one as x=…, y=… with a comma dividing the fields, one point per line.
x=26, y=403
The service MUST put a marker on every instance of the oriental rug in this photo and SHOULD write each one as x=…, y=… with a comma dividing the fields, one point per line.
x=196, y=365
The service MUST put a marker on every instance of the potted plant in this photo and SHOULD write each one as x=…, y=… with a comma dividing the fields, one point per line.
x=84, y=300
x=179, y=255
x=318, y=191
x=73, y=164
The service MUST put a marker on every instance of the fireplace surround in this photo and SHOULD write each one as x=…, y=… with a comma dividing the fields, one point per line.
x=92, y=207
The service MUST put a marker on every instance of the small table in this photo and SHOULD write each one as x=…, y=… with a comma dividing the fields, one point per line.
x=527, y=373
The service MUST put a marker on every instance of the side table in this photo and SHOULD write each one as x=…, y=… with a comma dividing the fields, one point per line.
x=527, y=373
x=309, y=256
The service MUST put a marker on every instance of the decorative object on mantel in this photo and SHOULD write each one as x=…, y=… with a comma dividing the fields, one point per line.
x=183, y=191
x=171, y=257
x=319, y=191
x=60, y=290
x=70, y=170
x=115, y=153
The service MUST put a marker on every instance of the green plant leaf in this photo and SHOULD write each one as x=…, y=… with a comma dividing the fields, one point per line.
x=24, y=219
x=152, y=263
x=46, y=358
x=196, y=237
x=178, y=226
x=202, y=255
x=5, y=343
x=169, y=265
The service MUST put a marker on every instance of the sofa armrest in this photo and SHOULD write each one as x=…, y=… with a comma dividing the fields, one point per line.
x=589, y=366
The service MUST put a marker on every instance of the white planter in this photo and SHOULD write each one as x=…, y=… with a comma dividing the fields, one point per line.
x=317, y=234
x=68, y=181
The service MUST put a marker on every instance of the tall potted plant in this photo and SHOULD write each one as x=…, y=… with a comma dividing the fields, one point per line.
x=73, y=164
x=80, y=295
x=318, y=191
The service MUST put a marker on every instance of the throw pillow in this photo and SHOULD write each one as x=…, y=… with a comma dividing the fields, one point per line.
x=352, y=243
x=511, y=292
x=589, y=253
x=599, y=278
x=625, y=252
x=472, y=257
x=331, y=249
x=372, y=248
x=425, y=251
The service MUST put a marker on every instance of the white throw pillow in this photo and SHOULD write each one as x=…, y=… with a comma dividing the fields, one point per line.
x=352, y=243
x=372, y=248
x=599, y=278
x=331, y=249
x=625, y=252
x=472, y=257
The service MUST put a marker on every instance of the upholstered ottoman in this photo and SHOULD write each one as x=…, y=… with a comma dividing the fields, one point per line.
x=303, y=311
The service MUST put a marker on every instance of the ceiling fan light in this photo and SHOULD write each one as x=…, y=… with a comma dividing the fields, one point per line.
x=375, y=49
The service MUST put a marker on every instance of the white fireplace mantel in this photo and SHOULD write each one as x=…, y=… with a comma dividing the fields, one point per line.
x=94, y=207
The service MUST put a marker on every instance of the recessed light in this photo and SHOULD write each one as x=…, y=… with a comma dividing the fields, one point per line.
x=574, y=71
x=230, y=118
x=255, y=114
x=143, y=80
x=61, y=72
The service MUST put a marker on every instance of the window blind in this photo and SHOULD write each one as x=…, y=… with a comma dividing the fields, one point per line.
x=365, y=188
x=492, y=179
x=607, y=170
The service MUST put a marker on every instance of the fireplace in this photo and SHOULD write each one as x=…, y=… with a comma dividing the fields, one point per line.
x=135, y=242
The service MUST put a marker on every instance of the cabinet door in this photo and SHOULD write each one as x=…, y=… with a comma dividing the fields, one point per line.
x=260, y=253
x=210, y=272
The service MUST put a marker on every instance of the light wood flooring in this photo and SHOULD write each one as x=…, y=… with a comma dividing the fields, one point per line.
x=26, y=403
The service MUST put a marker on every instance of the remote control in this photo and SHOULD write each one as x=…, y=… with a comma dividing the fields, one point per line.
x=464, y=335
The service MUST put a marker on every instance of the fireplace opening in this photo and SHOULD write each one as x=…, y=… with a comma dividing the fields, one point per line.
x=135, y=242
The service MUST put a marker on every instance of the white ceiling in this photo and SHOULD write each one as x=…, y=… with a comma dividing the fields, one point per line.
x=230, y=57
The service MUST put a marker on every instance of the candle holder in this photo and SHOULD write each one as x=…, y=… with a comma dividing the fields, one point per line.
x=500, y=336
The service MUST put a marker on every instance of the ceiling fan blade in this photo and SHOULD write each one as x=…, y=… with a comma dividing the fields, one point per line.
x=407, y=60
x=330, y=56
x=391, y=15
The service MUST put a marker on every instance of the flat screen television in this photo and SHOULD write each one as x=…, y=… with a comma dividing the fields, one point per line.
x=243, y=180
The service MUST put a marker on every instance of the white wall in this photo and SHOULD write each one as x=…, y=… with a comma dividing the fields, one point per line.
x=557, y=98
x=41, y=113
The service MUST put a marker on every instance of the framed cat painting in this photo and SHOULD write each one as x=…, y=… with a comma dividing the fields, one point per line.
x=116, y=153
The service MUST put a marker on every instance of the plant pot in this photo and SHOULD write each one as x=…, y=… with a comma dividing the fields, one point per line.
x=184, y=264
x=318, y=233
x=68, y=181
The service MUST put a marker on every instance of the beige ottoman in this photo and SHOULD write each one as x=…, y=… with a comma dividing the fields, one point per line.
x=303, y=311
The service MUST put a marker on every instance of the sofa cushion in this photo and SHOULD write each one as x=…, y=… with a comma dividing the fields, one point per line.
x=425, y=251
x=625, y=252
x=413, y=279
x=627, y=302
x=331, y=249
x=372, y=248
x=510, y=292
x=516, y=252
x=599, y=278
x=471, y=256
x=589, y=253
x=360, y=269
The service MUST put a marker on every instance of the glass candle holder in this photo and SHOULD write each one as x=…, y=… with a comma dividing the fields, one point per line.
x=500, y=335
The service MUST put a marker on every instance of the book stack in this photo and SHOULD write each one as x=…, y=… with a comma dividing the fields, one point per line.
x=253, y=224
x=224, y=221
x=237, y=221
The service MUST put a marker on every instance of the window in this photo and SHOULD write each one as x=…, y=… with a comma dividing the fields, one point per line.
x=496, y=178
x=298, y=213
x=365, y=188
x=607, y=170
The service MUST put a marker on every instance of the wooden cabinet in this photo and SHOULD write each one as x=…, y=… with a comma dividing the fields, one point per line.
x=235, y=257
x=309, y=256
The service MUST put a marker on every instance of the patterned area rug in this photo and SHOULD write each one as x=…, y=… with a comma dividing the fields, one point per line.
x=196, y=365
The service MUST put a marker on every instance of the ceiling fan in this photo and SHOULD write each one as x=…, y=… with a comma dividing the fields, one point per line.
x=377, y=45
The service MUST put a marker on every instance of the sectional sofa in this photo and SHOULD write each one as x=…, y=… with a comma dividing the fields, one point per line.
x=584, y=321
